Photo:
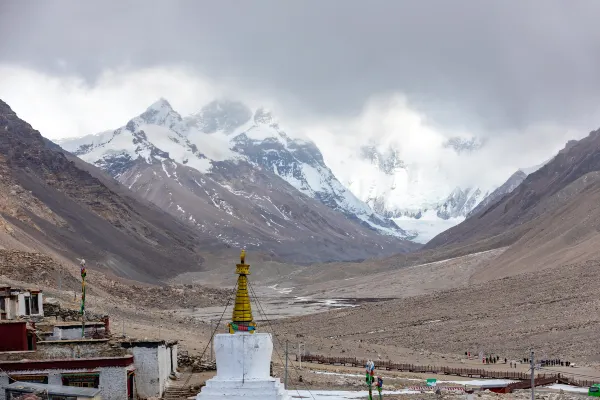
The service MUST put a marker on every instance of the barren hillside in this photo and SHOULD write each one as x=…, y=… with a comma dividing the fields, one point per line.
x=556, y=312
x=52, y=203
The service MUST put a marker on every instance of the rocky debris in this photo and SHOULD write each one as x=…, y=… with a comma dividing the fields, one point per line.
x=66, y=314
x=168, y=296
x=196, y=363
x=34, y=268
x=41, y=270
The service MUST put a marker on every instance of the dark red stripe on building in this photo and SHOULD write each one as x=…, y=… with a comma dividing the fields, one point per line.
x=70, y=363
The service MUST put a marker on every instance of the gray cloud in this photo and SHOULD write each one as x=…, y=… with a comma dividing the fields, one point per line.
x=484, y=65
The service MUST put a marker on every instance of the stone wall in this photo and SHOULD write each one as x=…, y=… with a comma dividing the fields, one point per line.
x=66, y=314
x=78, y=349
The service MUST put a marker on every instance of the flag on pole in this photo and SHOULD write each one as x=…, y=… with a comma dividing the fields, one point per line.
x=83, y=274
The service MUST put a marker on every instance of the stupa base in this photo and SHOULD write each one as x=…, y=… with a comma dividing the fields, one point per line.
x=259, y=389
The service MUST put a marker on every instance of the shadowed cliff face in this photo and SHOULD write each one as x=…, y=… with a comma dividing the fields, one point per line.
x=73, y=208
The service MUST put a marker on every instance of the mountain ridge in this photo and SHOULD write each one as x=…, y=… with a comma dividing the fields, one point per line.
x=199, y=176
x=51, y=202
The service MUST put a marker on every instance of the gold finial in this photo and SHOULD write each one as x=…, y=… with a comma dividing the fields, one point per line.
x=242, y=319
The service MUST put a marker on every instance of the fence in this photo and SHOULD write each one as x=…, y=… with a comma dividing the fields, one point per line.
x=543, y=379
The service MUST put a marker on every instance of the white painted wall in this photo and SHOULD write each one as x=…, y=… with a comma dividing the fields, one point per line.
x=73, y=332
x=15, y=306
x=164, y=367
x=153, y=367
x=113, y=380
x=145, y=361
x=41, y=304
x=174, y=357
x=21, y=304
x=113, y=383
x=243, y=369
x=243, y=356
x=10, y=303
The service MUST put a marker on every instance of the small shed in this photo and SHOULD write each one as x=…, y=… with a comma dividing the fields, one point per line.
x=51, y=392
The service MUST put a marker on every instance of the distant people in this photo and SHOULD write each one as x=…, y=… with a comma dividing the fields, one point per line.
x=505, y=360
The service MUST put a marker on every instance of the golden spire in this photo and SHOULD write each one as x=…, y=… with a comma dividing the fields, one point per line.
x=242, y=311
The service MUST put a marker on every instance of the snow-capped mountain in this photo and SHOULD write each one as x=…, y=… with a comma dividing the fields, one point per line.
x=408, y=193
x=238, y=175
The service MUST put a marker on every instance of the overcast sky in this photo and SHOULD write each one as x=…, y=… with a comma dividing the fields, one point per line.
x=523, y=73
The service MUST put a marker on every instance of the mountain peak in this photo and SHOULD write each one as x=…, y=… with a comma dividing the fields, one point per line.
x=220, y=115
x=160, y=104
x=161, y=113
x=263, y=116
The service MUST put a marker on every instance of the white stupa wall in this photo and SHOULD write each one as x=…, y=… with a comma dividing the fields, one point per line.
x=243, y=356
x=243, y=369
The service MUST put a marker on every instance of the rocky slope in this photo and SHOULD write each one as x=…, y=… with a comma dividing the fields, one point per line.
x=239, y=178
x=53, y=202
x=507, y=187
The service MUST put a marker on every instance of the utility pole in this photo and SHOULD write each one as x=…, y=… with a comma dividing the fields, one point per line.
x=532, y=362
x=300, y=346
x=285, y=385
x=211, y=340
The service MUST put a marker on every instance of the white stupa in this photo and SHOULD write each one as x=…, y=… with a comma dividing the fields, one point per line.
x=243, y=355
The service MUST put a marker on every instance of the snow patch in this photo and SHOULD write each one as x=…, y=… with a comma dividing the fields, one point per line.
x=428, y=226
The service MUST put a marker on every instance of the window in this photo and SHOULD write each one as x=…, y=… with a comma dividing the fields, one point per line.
x=28, y=378
x=27, y=305
x=81, y=380
x=35, y=306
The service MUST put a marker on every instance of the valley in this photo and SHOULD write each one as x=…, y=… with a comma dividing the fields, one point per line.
x=161, y=234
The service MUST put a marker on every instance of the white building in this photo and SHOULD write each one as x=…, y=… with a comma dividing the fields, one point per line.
x=154, y=361
x=114, y=376
x=15, y=303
